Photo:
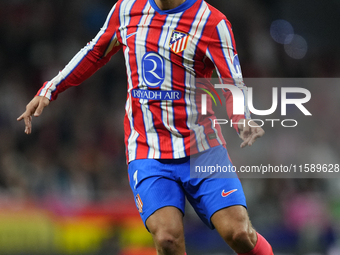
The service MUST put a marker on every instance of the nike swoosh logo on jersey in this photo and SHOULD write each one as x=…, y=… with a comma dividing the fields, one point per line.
x=225, y=194
x=132, y=34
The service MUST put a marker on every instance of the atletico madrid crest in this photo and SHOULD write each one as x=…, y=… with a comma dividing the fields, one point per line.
x=178, y=41
x=139, y=203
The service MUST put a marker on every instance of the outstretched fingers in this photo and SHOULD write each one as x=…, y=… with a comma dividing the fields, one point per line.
x=34, y=108
x=27, y=117
x=257, y=133
x=28, y=124
x=250, y=133
x=245, y=142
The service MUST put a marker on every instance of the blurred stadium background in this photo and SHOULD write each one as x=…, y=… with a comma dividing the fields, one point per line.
x=64, y=189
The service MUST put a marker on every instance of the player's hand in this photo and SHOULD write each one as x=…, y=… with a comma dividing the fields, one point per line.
x=34, y=108
x=249, y=134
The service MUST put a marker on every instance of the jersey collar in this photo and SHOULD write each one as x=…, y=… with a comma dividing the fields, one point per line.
x=183, y=7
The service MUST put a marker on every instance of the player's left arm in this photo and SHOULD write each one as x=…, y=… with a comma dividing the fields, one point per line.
x=84, y=64
x=222, y=52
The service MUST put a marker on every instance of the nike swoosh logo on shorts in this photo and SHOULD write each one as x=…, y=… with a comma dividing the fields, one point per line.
x=225, y=194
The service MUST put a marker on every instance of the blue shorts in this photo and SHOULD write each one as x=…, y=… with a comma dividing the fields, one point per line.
x=160, y=183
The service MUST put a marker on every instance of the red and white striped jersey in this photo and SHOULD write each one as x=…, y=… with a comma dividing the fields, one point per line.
x=165, y=51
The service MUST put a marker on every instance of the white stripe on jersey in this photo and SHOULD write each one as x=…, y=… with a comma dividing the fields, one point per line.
x=246, y=107
x=124, y=17
x=228, y=50
x=188, y=56
x=179, y=45
x=216, y=132
x=166, y=105
x=219, y=75
x=175, y=46
x=142, y=32
x=229, y=55
x=52, y=85
x=212, y=60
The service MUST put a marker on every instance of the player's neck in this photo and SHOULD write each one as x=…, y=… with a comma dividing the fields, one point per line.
x=168, y=4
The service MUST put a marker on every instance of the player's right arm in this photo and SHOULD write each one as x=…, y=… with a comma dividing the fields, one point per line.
x=84, y=64
x=222, y=52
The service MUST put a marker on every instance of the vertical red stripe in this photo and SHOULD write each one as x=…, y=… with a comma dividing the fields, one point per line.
x=178, y=77
x=180, y=48
x=137, y=124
